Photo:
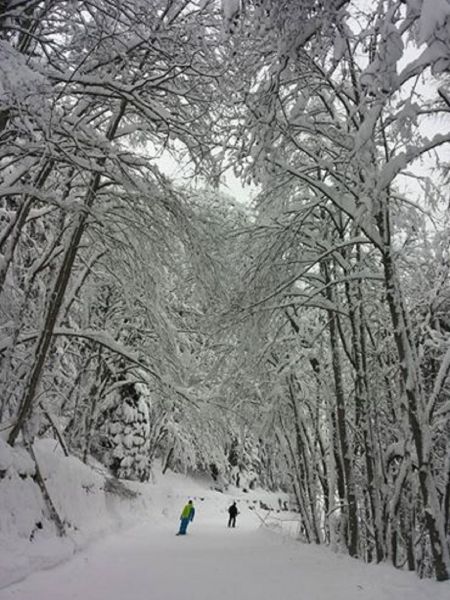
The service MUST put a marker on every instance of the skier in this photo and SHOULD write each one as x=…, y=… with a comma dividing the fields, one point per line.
x=187, y=515
x=233, y=512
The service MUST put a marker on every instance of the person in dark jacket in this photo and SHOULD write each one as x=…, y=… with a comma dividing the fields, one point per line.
x=187, y=515
x=233, y=512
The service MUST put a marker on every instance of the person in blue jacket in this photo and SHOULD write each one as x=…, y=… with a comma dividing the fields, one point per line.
x=187, y=515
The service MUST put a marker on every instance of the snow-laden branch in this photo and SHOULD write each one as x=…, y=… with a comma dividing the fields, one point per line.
x=342, y=201
x=395, y=165
x=103, y=339
x=439, y=383
x=297, y=276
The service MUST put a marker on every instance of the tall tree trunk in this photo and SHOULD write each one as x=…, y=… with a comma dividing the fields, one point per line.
x=296, y=476
x=344, y=449
x=354, y=297
x=59, y=289
x=415, y=406
x=420, y=428
x=305, y=466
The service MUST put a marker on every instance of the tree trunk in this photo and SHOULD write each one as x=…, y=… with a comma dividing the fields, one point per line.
x=57, y=295
x=344, y=449
x=420, y=429
x=53, y=513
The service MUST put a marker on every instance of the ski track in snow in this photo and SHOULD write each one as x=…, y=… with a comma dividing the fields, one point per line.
x=216, y=563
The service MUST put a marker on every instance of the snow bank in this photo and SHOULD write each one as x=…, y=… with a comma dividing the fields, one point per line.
x=28, y=538
x=92, y=509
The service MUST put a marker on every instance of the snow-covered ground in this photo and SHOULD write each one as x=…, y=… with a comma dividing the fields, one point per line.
x=146, y=560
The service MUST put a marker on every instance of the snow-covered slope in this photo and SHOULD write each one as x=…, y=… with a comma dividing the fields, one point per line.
x=90, y=509
x=134, y=554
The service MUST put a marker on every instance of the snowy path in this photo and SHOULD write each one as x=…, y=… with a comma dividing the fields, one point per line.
x=215, y=563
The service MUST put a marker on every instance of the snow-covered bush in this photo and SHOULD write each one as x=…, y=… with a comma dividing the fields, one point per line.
x=125, y=434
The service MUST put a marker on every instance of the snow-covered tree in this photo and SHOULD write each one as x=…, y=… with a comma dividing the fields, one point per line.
x=335, y=119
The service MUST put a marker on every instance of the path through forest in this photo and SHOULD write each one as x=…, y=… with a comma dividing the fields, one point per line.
x=216, y=563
